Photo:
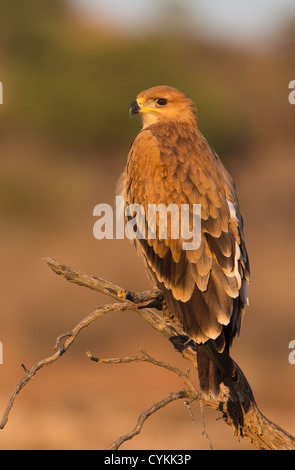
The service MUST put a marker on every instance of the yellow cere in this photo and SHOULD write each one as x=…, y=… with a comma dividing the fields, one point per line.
x=144, y=109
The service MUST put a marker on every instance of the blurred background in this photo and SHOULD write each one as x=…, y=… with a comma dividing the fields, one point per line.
x=70, y=70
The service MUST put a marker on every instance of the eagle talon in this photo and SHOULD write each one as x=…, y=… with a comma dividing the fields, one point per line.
x=157, y=304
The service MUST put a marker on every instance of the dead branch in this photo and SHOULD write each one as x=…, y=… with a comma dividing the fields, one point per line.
x=71, y=336
x=145, y=357
x=182, y=394
x=235, y=401
x=190, y=394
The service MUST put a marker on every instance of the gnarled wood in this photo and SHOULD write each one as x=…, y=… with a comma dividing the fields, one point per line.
x=236, y=400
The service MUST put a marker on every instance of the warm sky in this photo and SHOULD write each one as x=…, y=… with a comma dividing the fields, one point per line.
x=241, y=20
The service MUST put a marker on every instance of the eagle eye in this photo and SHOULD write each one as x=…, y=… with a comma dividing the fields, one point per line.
x=161, y=101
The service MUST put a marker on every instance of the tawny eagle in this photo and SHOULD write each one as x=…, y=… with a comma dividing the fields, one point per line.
x=170, y=162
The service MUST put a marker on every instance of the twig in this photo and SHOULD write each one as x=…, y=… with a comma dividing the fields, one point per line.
x=101, y=285
x=191, y=391
x=71, y=336
x=187, y=404
x=146, y=414
x=145, y=357
x=204, y=432
x=105, y=287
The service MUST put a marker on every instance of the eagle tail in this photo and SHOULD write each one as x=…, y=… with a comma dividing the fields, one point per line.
x=213, y=367
x=210, y=377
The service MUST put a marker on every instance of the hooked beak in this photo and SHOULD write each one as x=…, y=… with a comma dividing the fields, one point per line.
x=134, y=108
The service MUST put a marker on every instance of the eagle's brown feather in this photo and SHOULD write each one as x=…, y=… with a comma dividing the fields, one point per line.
x=171, y=162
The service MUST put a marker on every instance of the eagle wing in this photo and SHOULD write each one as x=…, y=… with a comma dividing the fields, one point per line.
x=205, y=288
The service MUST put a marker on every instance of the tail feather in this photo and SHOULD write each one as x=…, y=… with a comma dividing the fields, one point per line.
x=213, y=367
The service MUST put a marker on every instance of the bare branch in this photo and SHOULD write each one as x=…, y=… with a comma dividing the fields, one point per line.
x=71, y=336
x=235, y=401
x=191, y=393
x=101, y=285
x=204, y=432
x=146, y=414
x=145, y=357
x=187, y=404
